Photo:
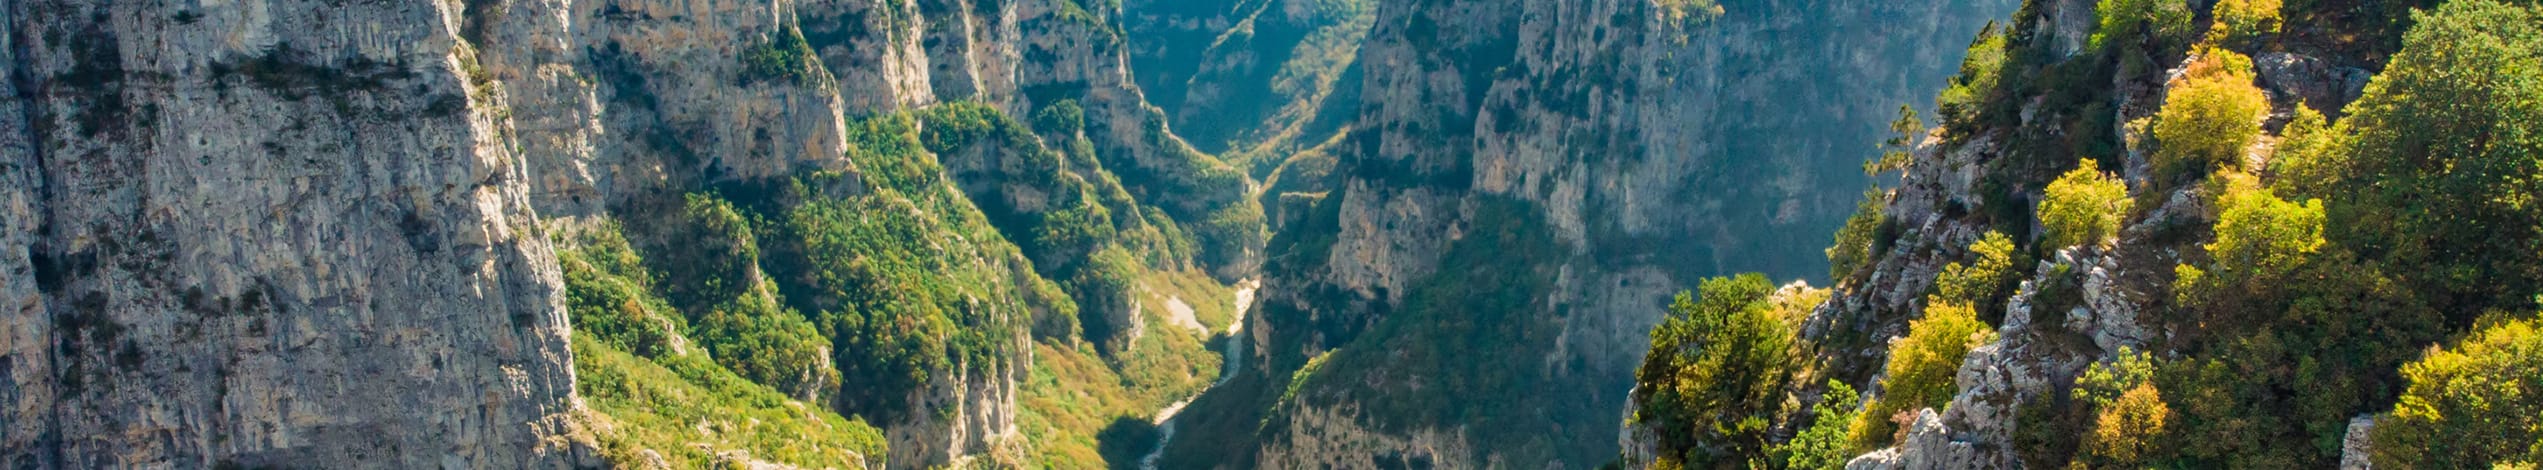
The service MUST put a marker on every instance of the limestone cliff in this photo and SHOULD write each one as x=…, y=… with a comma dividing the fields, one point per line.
x=1651, y=144
x=260, y=233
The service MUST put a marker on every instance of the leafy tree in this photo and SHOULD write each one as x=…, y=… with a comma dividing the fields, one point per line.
x=784, y=56
x=1900, y=148
x=2210, y=116
x=1982, y=281
x=1823, y=445
x=2083, y=207
x=2295, y=337
x=1981, y=70
x=2246, y=21
x=2161, y=22
x=2447, y=162
x=2309, y=159
x=2129, y=432
x=1856, y=241
x=2105, y=381
x=1064, y=117
x=2472, y=406
x=1921, y=368
x=1716, y=373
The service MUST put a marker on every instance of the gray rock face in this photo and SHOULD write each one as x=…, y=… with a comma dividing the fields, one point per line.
x=268, y=233
x=308, y=233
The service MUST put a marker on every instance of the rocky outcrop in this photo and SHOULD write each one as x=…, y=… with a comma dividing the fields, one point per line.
x=265, y=233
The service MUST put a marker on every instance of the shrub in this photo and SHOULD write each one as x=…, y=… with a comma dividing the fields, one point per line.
x=2083, y=207
x=2309, y=159
x=784, y=56
x=2209, y=118
x=1978, y=283
x=1062, y=118
x=2447, y=160
x=1980, y=71
x=2245, y=21
x=1823, y=445
x=2164, y=23
x=1716, y=372
x=2105, y=381
x=2129, y=433
x=1853, y=249
x=1921, y=368
x=2472, y=406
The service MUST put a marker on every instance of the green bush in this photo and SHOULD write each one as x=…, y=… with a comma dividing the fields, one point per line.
x=2476, y=405
x=1983, y=281
x=2083, y=207
x=2162, y=23
x=1855, y=241
x=1980, y=72
x=2247, y=21
x=1921, y=369
x=1061, y=118
x=2129, y=432
x=1716, y=373
x=784, y=56
x=2105, y=381
x=1823, y=445
x=2208, y=119
x=2309, y=159
x=2445, y=158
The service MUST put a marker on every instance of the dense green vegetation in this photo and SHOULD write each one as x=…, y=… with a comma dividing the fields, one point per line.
x=2210, y=117
x=658, y=395
x=1716, y=372
x=2320, y=264
x=1823, y=445
x=2082, y=208
x=783, y=56
x=2479, y=403
x=1920, y=370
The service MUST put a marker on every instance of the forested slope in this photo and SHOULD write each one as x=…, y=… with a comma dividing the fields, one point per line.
x=2251, y=234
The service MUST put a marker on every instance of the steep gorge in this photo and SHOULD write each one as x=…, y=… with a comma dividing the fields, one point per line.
x=1523, y=187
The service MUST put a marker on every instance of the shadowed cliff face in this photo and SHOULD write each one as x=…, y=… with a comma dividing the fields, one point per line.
x=1590, y=157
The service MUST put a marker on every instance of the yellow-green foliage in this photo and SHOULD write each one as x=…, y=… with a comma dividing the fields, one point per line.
x=1823, y=445
x=2241, y=21
x=686, y=409
x=2210, y=116
x=1855, y=241
x=2083, y=207
x=2308, y=160
x=1689, y=12
x=2446, y=159
x=1716, y=372
x=2129, y=432
x=1980, y=71
x=2105, y=381
x=1978, y=282
x=2475, y=405
x=1921, y=368
x=2124, y=22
